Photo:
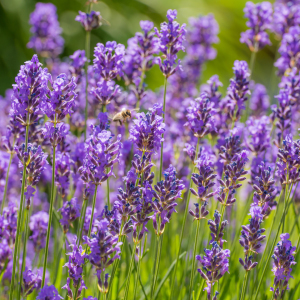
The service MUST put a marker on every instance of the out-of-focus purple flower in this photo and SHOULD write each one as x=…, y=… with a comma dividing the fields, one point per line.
x=259, y=101
x=8, y=223
x=62, y=172
x=212, y=90
x=61, y=98
x=201, y=34
x=215, y=264
x=171, y=37
x=38, y=225
x=29, y=92
x=257, y=135
x=289, y=51
x=5, y=251
x=78, y=60
x=48, y=292
x=87, y=219
x=147, y=130
x=283, y=260
x=46, y=40
x=190, y=151
x=166, y=192
x=259, y=20
x=89, y=21
x=286, y=15
x=237, y=90
x=108, y=61
x=200, y=116
x=31, y=282
x=70, y=212
x=251, y=237
x=139, y=56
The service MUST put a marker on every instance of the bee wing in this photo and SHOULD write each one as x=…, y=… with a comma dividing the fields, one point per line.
x=104, y=22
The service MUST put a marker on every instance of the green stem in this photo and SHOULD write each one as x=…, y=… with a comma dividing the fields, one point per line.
x=194, y=260
x=87, y=53
x=24, y=249
x=245, y=283
x=157, y=263
x=137, y=275
x=129, y=275
x=162, y=143
x=50, y=218
x=93, y=209
x=285, y=197
x=19, y=224
x=85, y=203
x=183, y=224
x=273, y=245
x=6, y=181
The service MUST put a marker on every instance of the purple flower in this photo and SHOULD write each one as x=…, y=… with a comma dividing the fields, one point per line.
x=61, y=98
x=166, y=192
x=171, y=37
x=8, y=223
x=211, y=89
x=289, y=49
x=258, y=135
x=146, y=132
x=283, y=260
x=38, y=225
x=29, y=92
x=108, y=61
x=46, y=39
x=259, y=20
x=55, y=134
x=104, y=250
x=101, y=154
x=139, y=56
x=190, y=151
x=89, y=21
x=62, y=172
x=215, y=264
x=31, y=282
x=5, y=251
x=259, y=102
x=69, y=212
x=75, y=269
x=48, y=292
x=251, y=237
x=77, y=64
x=199, y=116
x=217, y=229
x=238, y=90
x=286, y=15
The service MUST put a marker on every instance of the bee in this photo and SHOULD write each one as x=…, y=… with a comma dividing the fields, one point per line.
x=123, y=115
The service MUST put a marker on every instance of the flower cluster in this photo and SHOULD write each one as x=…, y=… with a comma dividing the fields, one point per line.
x=171, y=41
x=31, y=282
x=217, y=229
x=283, y=260
x=69, y=212
x=251, y=237
x=89, y=21
x=200, y=116
x=48, y=292
x=38, y=225
x=259, y=20
x=215, y=264
x=165, y=192
x=46, y=39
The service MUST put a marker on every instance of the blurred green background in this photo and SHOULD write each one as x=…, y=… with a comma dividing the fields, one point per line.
x=124, y=17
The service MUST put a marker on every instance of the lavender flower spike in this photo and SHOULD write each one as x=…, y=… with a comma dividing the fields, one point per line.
x=89, y=21
x=171, y=37
x=259, y=20
x=283, y=260
x=48, y=292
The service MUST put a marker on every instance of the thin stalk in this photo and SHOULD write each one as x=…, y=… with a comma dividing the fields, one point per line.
x=93, y=209
x=194, y=260
x=245, y=283
x=157, y=263
x=137, y=275
x=24, y=248
x=285, y=196
x=108, y=199
x=19, y=224
x=85, y=203
x=162, y=143
x=6, y=180
x=183, y=224
x=50, y=218
x=273, y=245
x=129, y=275
x=87, y=53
